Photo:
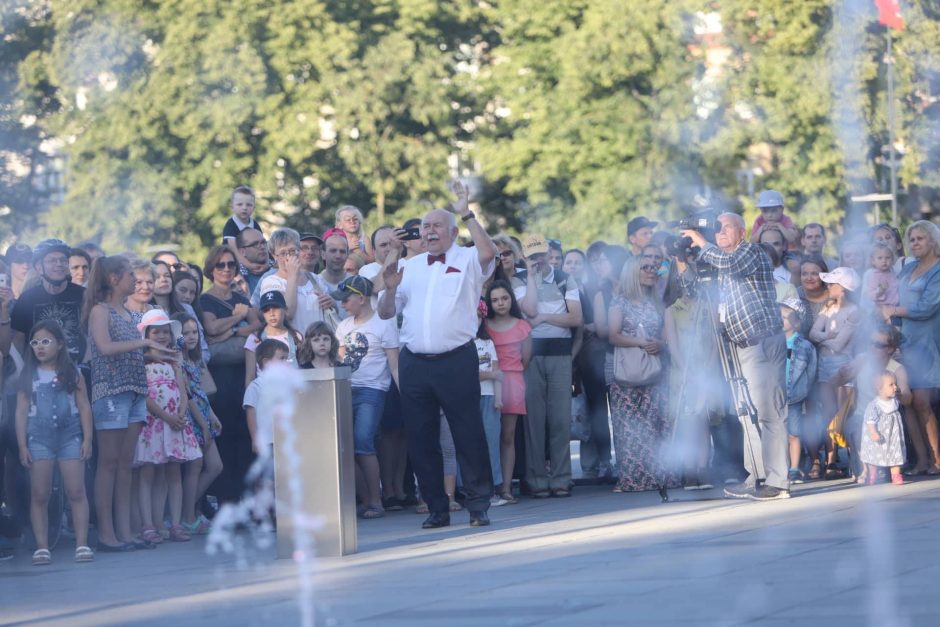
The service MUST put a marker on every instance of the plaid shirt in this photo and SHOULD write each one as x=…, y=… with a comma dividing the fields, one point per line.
x=746, y=286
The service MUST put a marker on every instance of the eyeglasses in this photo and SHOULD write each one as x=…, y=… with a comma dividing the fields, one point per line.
x=226, y=265
x=292, y=252
x=43, y=342
x=346, y=287
x=260, y=242
x=647, y=267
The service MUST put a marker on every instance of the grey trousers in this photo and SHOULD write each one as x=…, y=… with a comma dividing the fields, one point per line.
x=765, y=453
x=548, y=417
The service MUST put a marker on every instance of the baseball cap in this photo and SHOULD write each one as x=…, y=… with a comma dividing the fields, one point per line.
x=19, y=253
x=353, y=285
x=769, y=198
x=308, y=236
x=640, y=222
x=272, y=298
x=534, y=245
x=846, y=277
x=795, y=304
x=331, y=232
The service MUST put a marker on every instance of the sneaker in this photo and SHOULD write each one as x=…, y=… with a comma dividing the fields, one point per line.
x=739, y=491
x=496, y=501
x=795, y=475
x=6, y=553
x=768, y=493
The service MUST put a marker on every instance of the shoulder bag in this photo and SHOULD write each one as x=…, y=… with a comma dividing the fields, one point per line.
x=634, y=367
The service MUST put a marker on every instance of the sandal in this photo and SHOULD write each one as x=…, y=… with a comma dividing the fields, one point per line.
x=151, y=535
x=541, y=494
x=933, y=470
x=178, y=534
x=42, y=557
x=84, y=554
x=422, y=508
x=814, y=471
x=455, y=506
x=509, y=498
x=373, y=512
x=561, y=493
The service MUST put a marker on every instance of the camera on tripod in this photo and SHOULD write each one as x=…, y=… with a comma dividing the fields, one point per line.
x=705, y=222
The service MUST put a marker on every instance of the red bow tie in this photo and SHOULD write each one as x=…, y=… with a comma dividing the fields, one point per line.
x=434, y=258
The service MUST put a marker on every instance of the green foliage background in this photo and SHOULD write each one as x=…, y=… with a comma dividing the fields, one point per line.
x=577, y=114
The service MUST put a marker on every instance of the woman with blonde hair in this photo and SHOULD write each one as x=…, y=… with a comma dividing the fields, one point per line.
x=919, y=311
x=638, y=407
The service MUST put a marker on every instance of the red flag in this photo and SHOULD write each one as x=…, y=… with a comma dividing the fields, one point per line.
x=889, y=13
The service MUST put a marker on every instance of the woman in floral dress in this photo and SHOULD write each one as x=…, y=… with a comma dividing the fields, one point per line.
x=638, y=414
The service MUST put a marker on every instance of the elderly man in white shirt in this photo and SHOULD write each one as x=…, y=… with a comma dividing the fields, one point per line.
x=437, y=293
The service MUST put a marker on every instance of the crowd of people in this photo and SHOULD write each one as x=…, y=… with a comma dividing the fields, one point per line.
x=474, y=364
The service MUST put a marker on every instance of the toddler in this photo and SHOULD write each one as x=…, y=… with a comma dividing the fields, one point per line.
x=883, y=436
x=801, y=375
x=880, y=284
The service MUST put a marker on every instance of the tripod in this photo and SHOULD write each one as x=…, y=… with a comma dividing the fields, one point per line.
x=744, y=409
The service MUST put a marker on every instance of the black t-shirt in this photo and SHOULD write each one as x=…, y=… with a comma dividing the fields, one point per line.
x=231, y=229
x=36, y=305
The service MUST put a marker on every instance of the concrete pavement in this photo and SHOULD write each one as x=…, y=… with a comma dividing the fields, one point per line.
x=835, y=553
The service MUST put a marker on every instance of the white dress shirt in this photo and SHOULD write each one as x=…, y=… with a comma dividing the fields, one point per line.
x=439, y=307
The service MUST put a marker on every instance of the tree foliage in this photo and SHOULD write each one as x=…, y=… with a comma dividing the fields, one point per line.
x=577, y=115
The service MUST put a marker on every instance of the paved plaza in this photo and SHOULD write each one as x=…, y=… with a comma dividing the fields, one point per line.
x=835, y=554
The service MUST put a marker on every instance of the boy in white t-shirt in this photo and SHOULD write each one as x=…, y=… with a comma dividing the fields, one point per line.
x=260, y=424
x=363, y=330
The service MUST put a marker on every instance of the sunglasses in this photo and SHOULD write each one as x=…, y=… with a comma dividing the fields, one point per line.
x=223, y=265
x=43, y=342
x=506, y=253
x=345, y=287
x=177, y=266
x=648, y=268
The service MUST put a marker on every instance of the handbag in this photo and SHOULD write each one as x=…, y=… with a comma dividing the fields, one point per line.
x=634, y=367
x=580, y=421
x=229, y=351
x=208, y=383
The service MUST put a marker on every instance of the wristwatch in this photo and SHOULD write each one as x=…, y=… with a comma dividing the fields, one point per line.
x=468, y=217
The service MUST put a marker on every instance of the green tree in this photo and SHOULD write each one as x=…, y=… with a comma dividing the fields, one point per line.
x=592, y=117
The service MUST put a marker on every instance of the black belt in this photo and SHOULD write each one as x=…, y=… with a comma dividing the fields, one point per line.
x=436, y=356
x=754, y=341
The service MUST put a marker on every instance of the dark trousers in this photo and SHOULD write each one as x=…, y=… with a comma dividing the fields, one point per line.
x=451, y=383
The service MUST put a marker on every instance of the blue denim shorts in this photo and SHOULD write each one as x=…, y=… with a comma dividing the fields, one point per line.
x=48, y=438
x=794, y=419
x=367, y=404
x=119, y=411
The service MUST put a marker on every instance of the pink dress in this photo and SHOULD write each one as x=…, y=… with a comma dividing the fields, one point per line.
x=509, y=351
x=158, y=442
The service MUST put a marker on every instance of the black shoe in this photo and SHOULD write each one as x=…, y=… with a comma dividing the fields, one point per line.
x=120, y=548
x=436, y=520
x=479, y=519
x=768, y=493
x=739, y=491
x=393, y=504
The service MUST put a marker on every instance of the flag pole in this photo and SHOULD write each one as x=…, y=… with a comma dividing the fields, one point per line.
x=889, y=59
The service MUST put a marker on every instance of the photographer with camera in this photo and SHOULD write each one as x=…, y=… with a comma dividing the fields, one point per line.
x=750, y=318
